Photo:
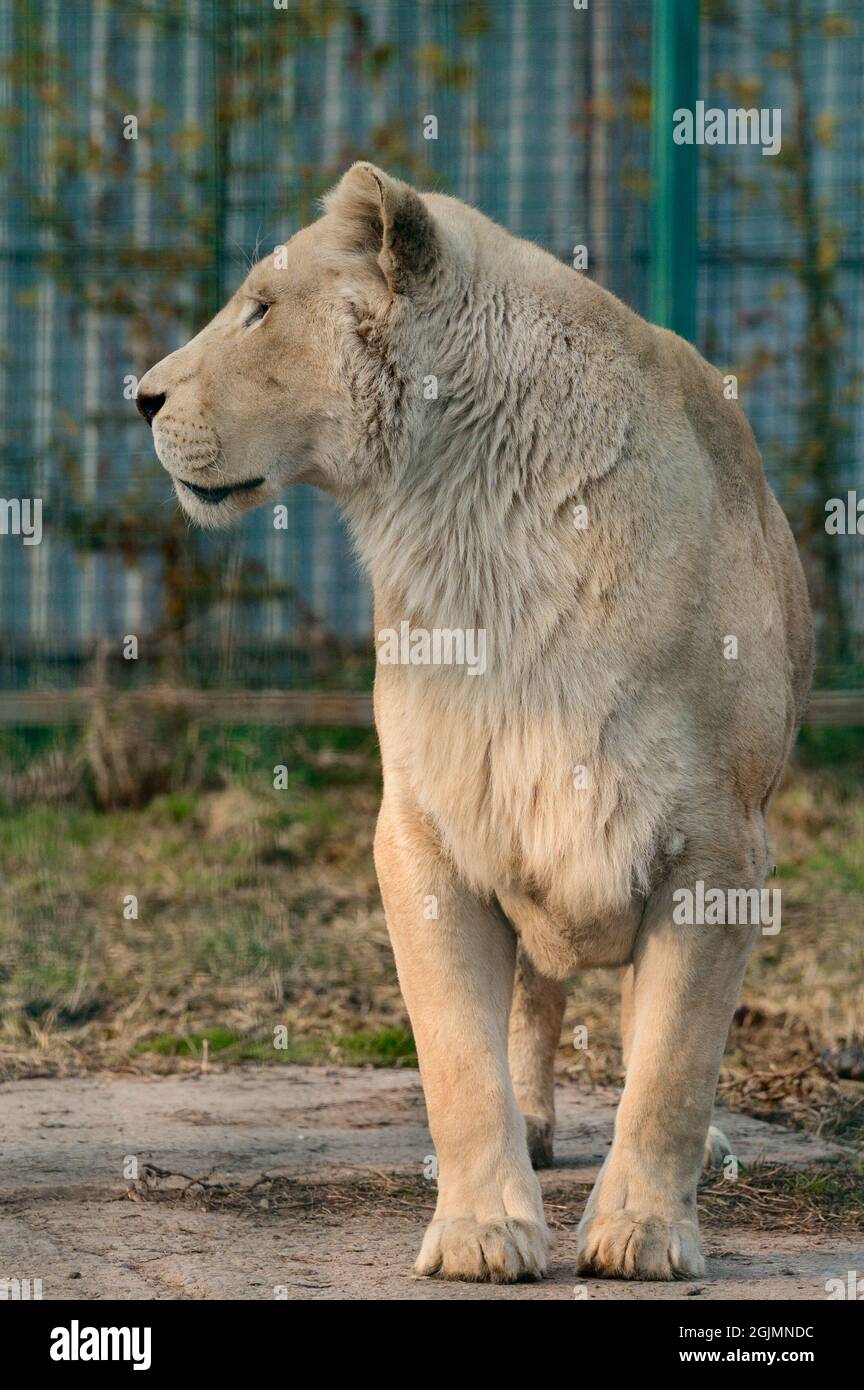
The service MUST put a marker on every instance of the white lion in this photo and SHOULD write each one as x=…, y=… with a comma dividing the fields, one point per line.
x=518, y=454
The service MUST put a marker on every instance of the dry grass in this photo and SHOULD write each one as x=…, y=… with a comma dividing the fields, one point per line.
x=370, y=1193
x=822, y=1199
x=773, y=1197
x=258, y=909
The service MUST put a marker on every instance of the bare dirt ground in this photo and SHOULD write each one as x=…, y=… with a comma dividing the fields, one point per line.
x=308, y=1183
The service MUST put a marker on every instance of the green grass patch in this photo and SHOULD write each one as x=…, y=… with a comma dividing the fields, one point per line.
x=384, y=1047
x=315, y=758
x=387, y=1047
x=19, y=747
x=840, y=869
x=841, y=749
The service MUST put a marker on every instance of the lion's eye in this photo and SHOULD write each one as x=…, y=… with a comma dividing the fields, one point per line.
x=257, y=313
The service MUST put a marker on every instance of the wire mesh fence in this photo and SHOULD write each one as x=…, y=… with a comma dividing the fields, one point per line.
x=149, y=153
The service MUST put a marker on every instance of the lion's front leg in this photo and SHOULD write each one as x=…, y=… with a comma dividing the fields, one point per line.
x=455, y=956
x=640, y=1221
x=717, y=1146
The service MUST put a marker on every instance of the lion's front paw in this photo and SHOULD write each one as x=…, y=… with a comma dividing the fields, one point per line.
x=497, y=1252
x=623, y=1245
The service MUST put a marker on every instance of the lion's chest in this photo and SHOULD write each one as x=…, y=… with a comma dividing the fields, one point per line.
x=536, y=811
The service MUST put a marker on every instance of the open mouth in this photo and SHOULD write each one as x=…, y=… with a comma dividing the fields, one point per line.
x=212, y=495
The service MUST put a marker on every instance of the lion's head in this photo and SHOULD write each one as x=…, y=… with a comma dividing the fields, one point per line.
x=282, y=385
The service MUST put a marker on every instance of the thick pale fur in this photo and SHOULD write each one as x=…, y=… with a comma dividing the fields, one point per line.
x=605, y=652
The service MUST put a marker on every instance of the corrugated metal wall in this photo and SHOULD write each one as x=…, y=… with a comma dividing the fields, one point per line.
x=112, y=251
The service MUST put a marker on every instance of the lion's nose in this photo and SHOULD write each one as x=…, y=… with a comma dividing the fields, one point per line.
x=149, y=406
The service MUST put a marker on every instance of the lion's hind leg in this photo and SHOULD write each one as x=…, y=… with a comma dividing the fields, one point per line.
x=536, y=1015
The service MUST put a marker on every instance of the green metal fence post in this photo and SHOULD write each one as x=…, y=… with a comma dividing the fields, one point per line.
x=674, y=168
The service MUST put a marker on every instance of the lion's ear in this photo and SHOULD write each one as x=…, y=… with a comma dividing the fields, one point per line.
x=384, y=219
